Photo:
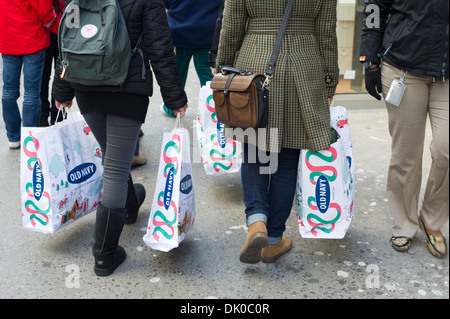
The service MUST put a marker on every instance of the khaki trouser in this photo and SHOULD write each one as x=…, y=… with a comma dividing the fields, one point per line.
x=407, y=128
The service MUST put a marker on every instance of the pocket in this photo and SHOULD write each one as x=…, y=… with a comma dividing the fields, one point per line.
x=88, y=65
x=221, y=107
x=239, y=100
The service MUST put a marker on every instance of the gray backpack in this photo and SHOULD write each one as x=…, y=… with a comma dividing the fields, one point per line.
x=94, y=44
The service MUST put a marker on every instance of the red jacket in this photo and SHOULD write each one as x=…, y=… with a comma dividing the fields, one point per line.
x=25, y=26
x=58, y=5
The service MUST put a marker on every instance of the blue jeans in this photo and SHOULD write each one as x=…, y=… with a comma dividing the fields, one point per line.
x=269, y=197
x=33, y=65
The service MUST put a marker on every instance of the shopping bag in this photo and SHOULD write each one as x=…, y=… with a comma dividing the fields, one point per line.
x=219, y=154
x=173, y=209
x=326, y=185
x=61, y=173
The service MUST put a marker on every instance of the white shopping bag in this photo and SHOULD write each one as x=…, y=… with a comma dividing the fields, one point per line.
x=173, y=209
x=220, y=155
x=61, y=173
x=326, y=185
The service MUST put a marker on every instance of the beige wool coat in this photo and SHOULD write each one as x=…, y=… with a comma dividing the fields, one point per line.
x=306, y=72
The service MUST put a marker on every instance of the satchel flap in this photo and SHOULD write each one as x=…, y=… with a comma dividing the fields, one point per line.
x=239, y=83
x=239, y=99
x=218, y=97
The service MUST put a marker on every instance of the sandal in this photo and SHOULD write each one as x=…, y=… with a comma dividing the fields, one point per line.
x=400, y=243
x=436, y=241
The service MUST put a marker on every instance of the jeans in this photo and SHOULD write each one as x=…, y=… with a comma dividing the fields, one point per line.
x=269, y=197
x=33, y=65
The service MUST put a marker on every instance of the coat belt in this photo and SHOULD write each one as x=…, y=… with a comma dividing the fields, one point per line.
x=271, y=25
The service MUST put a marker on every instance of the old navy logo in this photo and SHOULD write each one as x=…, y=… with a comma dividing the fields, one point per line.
x=222, y=139
x=323, y=194
x=186, y=184
x=81, y=173
x=38, y=181
x=168, y=190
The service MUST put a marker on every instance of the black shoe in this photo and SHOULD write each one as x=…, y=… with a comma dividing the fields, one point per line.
x=135, y=198
x=106, y=250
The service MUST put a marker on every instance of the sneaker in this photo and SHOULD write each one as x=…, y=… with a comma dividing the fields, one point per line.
x=14, y=145
x=166, y=111
x=139, y=160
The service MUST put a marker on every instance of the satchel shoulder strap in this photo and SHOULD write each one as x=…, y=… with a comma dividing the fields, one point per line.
x=279, y=39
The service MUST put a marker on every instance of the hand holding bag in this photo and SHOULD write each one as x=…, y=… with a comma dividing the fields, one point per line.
x=242, y=97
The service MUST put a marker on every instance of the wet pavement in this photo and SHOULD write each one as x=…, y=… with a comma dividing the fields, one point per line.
x=206, y=266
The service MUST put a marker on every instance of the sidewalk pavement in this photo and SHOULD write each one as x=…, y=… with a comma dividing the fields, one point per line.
x=361, y=266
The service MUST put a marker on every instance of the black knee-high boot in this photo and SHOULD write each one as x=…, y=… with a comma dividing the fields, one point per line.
x=106, y=250
x=135, y=198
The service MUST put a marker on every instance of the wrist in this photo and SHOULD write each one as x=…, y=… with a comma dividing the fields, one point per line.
x=370, y=66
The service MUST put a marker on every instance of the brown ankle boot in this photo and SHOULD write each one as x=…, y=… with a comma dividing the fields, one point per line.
x=256, y=240
x=270, y=253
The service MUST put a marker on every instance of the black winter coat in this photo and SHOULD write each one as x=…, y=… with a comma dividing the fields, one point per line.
x=215, y=43
x=146, y=17
x=412, y=35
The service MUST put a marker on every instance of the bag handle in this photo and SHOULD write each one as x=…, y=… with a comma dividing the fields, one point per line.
x=229, y=69
x=178, y=124
x=279, y=39
x=63, y=111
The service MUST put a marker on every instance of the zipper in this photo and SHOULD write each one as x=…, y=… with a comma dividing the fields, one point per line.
x=394, y=36
x=64, y=64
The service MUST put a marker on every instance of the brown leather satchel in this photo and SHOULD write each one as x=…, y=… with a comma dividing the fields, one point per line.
x=242, y=97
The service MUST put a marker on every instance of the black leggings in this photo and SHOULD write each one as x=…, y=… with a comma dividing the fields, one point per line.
x=117, y=137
